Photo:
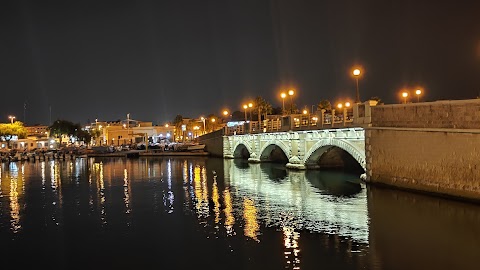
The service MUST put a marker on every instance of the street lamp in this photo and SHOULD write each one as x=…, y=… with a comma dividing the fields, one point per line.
x=195, y=134
x=245, y=107
x=213, y=120
x=250, y=105
x=405, y=95
x=291, y=92
x=356, y=74
x=283, y=95
x=203, y=120
x=345, y=107
x=11, y=117
x=418, y=92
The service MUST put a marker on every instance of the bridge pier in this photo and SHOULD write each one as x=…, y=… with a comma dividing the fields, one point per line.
x=295, y=163
x=253, y=158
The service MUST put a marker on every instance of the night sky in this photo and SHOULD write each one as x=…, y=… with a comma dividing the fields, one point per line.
x=81, y=60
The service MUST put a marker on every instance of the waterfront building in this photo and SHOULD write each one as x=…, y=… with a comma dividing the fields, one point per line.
x=129, y=131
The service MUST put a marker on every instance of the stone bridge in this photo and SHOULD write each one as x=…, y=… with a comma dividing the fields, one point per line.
x=301, y=149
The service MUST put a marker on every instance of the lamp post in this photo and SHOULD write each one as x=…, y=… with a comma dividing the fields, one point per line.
x=345, y=107
x=213, y=120
x=245, y=107
x=128, y=124
x=283, y=95
x=418, y=92
x=102, y=140
x=291, y=92
x=305, y=112
x=345, y=112
x=356, y=74
x=203, y=120
x=250, y=105
x=11, y=117
x=405, y=95
x=225, y=114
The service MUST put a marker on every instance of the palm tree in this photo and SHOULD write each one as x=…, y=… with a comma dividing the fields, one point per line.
x=377, y=99
x=262, y=107
x=324, y=105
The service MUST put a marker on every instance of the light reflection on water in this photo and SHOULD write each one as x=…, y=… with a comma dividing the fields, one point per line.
x=224, y=214
x=295, y=200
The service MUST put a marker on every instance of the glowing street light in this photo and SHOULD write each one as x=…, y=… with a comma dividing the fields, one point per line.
x=11, y=117
x=203, y=120
x=291, y=92
x=356, y=74
x=345, y=107
x=418, y=92
x=245, y=107
x=283, y=95
x=405, y=95
x=250, y=105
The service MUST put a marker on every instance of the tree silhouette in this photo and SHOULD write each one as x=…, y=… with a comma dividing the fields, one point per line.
x=324, y=105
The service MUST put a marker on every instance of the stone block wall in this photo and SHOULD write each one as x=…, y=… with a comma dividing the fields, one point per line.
x=213, y=143
x=456, y=114
x=436, y=161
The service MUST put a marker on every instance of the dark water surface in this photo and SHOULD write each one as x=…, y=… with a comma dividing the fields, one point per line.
x=210, y=213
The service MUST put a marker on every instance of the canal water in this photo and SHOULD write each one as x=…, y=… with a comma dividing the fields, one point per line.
x=211, y=213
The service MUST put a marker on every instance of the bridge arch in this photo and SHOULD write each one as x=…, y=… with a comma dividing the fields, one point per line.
x=317, y=150
x=239, y=152
x=270, y=146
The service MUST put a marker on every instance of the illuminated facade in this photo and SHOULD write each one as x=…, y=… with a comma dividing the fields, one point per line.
x=130, y=131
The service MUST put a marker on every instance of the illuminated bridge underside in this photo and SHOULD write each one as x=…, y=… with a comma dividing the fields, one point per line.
x=300, y=149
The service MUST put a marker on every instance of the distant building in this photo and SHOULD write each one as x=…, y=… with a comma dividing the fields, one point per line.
x=38, y=137
x=39, y=131
x=129, y=131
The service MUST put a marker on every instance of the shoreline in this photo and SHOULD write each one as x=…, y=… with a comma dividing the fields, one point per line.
x=142, y=153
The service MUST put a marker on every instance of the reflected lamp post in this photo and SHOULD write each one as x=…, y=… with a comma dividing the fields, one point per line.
x=356, y=74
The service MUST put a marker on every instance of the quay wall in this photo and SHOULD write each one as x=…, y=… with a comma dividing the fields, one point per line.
x=213, y=142
x=430, y=147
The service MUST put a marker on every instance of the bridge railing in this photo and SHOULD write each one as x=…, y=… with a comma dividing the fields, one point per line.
x=294, y=122
x=357, y=115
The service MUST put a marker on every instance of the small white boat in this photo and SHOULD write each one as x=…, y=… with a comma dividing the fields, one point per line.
x=196, y=147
